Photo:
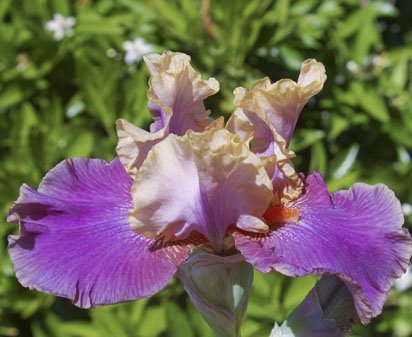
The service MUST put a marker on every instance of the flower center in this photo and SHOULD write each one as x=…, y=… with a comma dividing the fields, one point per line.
x=281, y=215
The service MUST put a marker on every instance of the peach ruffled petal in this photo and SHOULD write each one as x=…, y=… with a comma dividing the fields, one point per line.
x=201, y=182
x=176, y=95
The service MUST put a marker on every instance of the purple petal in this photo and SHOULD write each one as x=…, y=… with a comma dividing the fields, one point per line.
x=75, y=240
x=355, y=234
x=159, y=117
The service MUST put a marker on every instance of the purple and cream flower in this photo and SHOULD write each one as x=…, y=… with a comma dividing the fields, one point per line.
x=100, y=233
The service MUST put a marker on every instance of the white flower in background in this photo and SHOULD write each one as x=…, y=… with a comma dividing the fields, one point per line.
x=135, y=49
x=405, y=281
x=22, y=61
x=111, y=53
x=407, y=209
x=352, y=66
x=61, y=26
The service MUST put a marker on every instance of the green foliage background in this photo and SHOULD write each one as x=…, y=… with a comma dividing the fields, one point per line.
x=61, y=99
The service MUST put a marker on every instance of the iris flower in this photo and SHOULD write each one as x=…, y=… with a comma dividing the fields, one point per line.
x=100, y=233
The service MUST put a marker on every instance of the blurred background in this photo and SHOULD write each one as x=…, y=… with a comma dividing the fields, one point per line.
x=67, y=73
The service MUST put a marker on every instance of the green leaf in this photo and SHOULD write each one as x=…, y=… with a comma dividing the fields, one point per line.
x=80, y=329
x=177, y=321
x=342, y=164
x=371, y=102
x=318, y=160
x=153, y=322
x=304, y=138
x=296, y=291
x=11, y=95
x=80, y=144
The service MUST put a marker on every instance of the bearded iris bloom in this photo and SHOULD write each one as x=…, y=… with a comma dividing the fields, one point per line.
x=101, y=233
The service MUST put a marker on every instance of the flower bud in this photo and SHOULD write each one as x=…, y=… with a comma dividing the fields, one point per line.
x=218, y=287
x=327, y=311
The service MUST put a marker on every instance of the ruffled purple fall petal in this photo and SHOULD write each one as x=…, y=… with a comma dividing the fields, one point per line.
x=75, y=240
x=354, y=234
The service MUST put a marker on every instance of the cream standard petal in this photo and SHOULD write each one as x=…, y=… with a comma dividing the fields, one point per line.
x=134, y=144
x=200, y=182
x=271, y=148
x=266, y=116
x=176, y=94
x=179, y=90
x=280, y=103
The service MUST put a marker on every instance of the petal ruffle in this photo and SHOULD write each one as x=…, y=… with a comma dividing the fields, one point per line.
x=355, y=234
x=75, y=240
x=134, y=144
x=201, y=182
x=272, y=149
x=178, y=90
x=266, y=117
x=176, y=96
x=279, y=104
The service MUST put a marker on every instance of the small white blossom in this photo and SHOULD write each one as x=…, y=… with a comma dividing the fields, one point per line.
x=340, y=79
x=274, y=52
x=22, y=62
x=352, y=66
x=405, y=281
x=61, y=26
x=111, y=53
x=407, y=209
x=135, y=49
x=380, y=61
